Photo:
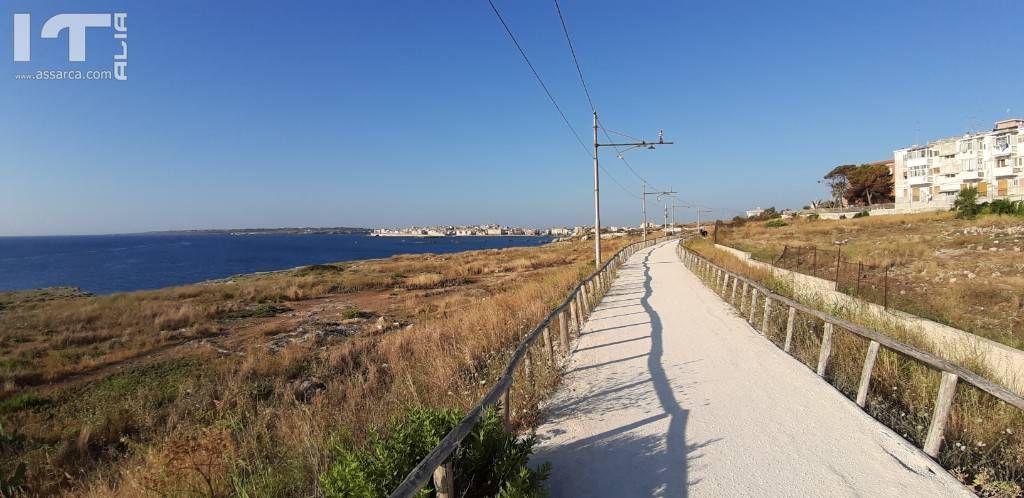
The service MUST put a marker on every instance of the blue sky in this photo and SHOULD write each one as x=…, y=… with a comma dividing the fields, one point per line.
x=366, y=113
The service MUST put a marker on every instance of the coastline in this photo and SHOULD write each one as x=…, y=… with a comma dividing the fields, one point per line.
x=109, y=264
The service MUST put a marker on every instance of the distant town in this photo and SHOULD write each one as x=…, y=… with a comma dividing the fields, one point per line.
x=426, y=231
x=493, y=230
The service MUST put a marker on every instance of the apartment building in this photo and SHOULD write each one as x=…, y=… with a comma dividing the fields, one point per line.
x=928, y=177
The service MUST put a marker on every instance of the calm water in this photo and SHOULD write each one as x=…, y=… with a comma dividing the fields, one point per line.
x=104, y=264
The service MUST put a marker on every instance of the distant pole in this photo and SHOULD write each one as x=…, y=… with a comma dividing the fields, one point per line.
x=885, y=288
x=597, y=203
x=839, y=254
x=643, y=198
x=673, y=216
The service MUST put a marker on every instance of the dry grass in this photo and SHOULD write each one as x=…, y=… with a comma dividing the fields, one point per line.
x=178, y=392
x=984, y=445
x=965, y=273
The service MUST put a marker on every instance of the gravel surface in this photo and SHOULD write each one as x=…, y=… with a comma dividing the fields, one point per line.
x=670, y=393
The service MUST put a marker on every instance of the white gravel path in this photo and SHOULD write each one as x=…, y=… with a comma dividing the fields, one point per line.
x=670, y=393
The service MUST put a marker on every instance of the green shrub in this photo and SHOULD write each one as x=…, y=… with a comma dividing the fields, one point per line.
x=20, y=402
x=813, y=216
x=862, y=214
x=490, y=461
x=842, y=216
x=351, y=313
x=775, y=223
x=966, y=204
x=1005, y=207
x=13, y=483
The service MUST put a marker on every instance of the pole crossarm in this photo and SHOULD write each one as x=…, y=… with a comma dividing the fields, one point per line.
x=597, y=183
x=635, y=144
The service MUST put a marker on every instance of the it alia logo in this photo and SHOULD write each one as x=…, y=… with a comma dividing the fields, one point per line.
x=76, y=26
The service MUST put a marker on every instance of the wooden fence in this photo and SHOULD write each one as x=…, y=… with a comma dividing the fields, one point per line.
x=569, y=318
x=744, y=294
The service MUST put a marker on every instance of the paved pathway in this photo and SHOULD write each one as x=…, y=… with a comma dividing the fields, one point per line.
x=670, y=393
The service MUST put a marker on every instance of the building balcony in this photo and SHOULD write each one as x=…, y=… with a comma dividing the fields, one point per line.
x=1005, y=171
x=969, y=176
x=950, y=186
x=915, y=181
x=920, y=161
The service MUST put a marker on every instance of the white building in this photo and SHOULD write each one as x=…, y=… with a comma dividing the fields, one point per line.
x=929, y=177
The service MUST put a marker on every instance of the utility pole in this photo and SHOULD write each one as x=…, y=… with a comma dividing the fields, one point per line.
x=597, y=183
x=597, y=202
x=644, y=197
x=643, y=201
x=697, y=208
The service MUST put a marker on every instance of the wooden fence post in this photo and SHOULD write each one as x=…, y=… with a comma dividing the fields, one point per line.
x=767, y=314
x=506, y=406
x=547, y=345
x=790, y=322
x=753, y=305
x=444, y=480
x=865, y=374
x=826, y=349
x=735, y=283
x=943, y=404
x=563, y=331
x=575, y=316
x=581, y=307
x=743, y=297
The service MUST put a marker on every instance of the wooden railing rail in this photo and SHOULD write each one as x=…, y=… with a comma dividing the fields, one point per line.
x=719, y=279
x=577, y=305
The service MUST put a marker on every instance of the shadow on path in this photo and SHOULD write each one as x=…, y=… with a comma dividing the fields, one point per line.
x=631, y=457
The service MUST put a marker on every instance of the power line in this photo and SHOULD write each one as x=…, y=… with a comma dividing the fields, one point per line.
x=623, y=187
x=551, y=97
x=576, y=61
x=539, y=79
x=621, y=156
x=620, y=134
x=586, y=90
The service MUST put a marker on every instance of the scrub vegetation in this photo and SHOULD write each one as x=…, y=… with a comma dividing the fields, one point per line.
x=966, y=273
x=267, y=384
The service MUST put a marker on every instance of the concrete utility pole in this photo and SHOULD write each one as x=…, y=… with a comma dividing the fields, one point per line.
x=597, y=184
x=644, y=200
x=597, y=202
x=699, y=210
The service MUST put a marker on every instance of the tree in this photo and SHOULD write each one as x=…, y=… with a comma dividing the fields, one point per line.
x=838, y=181
x=966, y=203
x=869, y=183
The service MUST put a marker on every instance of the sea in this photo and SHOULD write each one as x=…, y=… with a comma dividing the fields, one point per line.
x=105, y=264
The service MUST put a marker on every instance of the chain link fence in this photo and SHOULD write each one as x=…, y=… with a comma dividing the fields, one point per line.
x=869, y=282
